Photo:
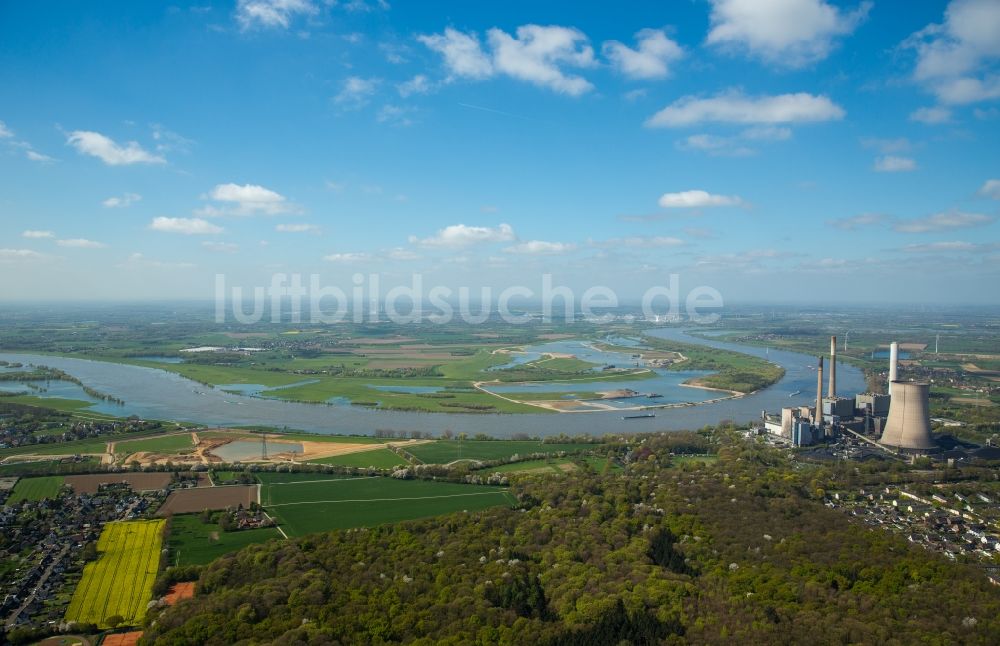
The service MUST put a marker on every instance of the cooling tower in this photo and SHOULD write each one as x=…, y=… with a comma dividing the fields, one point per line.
x=832, y=390
x=893, y=364
x=818, y=415
x=908, y=425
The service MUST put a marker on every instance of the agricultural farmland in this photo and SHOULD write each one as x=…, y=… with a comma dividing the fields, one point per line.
x=36, y=488
x=120, y=582
x=193, y=542
x=305, y=503
x=445, y=451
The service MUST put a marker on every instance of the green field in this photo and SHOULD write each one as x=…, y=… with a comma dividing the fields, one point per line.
x=36, y=488
x=314, y=502
x=446, y=451
x=45, y=467
x=378, y=458
x=192, y=542
x=95, y=445
x=120, y=581
x=542, y=467
x=164, y=444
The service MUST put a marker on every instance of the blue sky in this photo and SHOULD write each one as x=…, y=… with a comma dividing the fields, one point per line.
x=779, y=151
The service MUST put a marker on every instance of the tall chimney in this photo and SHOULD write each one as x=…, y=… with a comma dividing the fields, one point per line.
x=832, y=391
x=818, y=417
x=893, y=364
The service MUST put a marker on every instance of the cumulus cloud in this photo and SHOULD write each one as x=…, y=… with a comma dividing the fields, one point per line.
x=399, y=253
x=419, y=84
x=356, y=92
x=396, y=115
x=991, y=189
x=540, y=247
x=104, y=148
x=894, y=164
x=36, y=156
x=534, y=53
x=460, y=235
x=463, y=54
x=697, y=199
x=931, y=116
x=122, y=201
x=537, y=53
x=954, y=58
x=80, y=243
x=297, y=228
x=650, y=59
x=736, y=146
x=30, y=233
x=252, y=14
x=186, y=226
x=245, y=200
x=789, y=33
x=138, y=261
x=5, y=132
x=735, y=107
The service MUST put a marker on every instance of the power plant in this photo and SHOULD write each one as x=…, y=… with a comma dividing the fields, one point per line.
x=908, y=426
x=899, y=420
x=832, y=390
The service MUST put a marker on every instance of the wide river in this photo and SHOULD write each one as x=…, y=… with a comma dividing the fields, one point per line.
x=157, y=394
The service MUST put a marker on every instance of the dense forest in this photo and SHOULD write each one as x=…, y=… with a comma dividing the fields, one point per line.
x=736, y=550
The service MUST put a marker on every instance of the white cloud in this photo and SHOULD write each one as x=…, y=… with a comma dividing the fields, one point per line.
x=396, y=115
x=650, y=59
x=37, y=234
x=356, y=92
x=931, y=116
x=347, y=257
x=463, y=54
x=271, y=13
x=641, y=242
x=735, y=107
x=400, y=253
x=887, y=146
x=952, y=57
x=789, y=33
x=123, y=201
x=137, y=260
x=715, y=145
x=221, y=247
x=894, y=164
x=5, y=132
x=104, y=148
x=245, y=200
x=186, y=226
x=80, y=243
x=419, y=84
x=460, y=235
x=540, y=247
x=18, y=255
x=36, y=156
x=767, y=133
x=536, y=53
x=697, y=199
x=991, y=189
x=949, y=246
x=297, y=228
x=946, y=220
x=857, y=221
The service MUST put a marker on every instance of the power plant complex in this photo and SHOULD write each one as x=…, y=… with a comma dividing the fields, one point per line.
x=898, y=421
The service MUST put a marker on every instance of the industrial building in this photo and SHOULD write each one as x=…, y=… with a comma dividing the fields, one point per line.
x=899, y=420
x=908, y=427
